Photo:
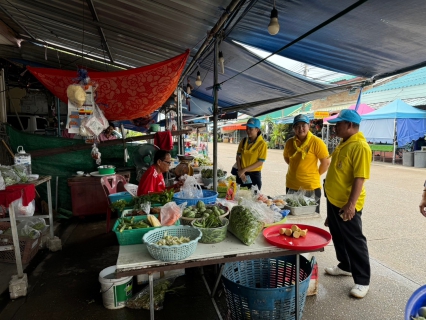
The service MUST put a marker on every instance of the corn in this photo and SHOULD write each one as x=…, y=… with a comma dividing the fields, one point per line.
x=153, y=221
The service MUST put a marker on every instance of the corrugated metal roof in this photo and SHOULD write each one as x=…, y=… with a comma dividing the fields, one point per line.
x=415, y=102
x=415, y=78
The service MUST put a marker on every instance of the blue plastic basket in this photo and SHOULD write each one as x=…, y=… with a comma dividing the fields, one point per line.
x=176, y=252
x=264, y=288
x=416, y=301
x=120, y=196
x=209, y=197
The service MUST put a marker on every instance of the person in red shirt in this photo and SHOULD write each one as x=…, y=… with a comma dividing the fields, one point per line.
x=153, y=180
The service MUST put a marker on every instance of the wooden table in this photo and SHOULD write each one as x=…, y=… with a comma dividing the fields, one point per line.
x=135, y=259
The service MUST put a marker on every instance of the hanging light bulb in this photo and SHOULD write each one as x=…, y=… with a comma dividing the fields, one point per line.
x=189, y=87
x=198, y=82
x=274, y=26
x=221, y=62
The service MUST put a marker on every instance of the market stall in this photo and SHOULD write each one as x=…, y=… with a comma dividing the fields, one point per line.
x=396, y=124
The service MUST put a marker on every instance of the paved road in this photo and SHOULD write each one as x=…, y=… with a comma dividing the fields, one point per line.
x=392, y=224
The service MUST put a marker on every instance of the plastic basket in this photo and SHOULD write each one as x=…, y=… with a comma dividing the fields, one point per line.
x=172, y=253
x=187, y=221
x=416, y=301
x=28, y=247
x=264, y=288
x=134, y=236
x=213, y=235
x=209, y=197
x=120, y=196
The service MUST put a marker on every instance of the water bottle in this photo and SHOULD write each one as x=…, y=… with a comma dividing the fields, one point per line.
x=24, y=159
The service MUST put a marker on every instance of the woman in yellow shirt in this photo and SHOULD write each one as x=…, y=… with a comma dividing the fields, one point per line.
x=302, y=154
x=251, y=154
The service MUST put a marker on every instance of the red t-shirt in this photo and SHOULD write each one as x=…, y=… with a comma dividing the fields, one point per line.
x=151, y=181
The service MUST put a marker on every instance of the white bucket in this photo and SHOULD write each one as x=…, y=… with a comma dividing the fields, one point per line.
x=115, y=292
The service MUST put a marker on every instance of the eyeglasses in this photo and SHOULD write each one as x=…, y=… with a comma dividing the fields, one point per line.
x=168, y=162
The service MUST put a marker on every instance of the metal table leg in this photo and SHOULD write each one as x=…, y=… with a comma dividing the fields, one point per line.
x=297, y=285
x=15, y=241
x=49, y=204
x=151, y=295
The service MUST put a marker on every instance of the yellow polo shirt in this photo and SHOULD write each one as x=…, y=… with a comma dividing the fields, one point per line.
x=252, y=152
x=303, y=173
x=350, y=160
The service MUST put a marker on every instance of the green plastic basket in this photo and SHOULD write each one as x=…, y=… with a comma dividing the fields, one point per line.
x=129, y=237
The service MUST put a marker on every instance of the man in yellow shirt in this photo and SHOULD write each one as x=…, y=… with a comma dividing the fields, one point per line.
x=302, y=154
x=345, y=192
x=251, y=154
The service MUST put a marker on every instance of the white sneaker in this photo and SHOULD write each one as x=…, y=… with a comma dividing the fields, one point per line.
x=336, y=271
x=359, y=291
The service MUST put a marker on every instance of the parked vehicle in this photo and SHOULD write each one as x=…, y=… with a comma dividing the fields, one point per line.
x=30, y=123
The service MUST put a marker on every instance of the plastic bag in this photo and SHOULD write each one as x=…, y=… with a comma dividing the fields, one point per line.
x=21, y=210
x=244, y=225
x=96, y=154
x=191, y=189
x=9, y=175
x=141, y=299
x=97, y=122
x=301, y=198
x=170, y=213
x=260, y=210
x=34, y=222
x=21, y=172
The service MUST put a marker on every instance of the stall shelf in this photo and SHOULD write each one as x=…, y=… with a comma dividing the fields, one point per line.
x=53, y=243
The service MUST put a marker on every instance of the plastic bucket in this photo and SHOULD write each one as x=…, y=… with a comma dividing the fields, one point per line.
x=420, y=159
x=408, y=159
x=115, y=292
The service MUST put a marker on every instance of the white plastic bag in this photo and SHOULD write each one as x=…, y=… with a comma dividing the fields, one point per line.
x=260, y=210
x=21, y=210
x=2, y=184
x=191, y=189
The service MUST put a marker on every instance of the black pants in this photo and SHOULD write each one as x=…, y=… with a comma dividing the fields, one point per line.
x=256, y=179
x=350, y=244
x=317, y=193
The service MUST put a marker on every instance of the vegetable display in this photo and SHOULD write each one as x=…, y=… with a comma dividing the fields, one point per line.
x=130, y=224
x=202, y=161
x=214, y=229
x=244, y=225
x=200, y=210
x=208, y=173
x=168, y=240
x=162, y=198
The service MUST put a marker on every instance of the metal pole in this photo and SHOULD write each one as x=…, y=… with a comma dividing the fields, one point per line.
x=297, y=285
x=58, y=114
x=56, y=193
x=215, y=112
x=15, y=241
x=394, y=141
x=181, y=150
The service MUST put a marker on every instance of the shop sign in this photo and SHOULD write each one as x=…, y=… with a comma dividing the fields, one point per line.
x=321, y=114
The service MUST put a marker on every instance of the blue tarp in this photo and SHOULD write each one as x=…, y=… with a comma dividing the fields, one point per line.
x=290, y=119
x=378, y=126
x=376, y=37
x=409, y=130
x=397, y=109
x=264, y=81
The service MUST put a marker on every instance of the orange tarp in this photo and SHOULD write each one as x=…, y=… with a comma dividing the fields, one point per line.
x=234, y=127
x=122, y=95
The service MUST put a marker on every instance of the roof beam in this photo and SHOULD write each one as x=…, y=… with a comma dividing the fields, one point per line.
x=101, y=31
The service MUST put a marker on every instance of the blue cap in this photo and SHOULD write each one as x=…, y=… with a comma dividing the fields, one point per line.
x=300, y=118
x=253, y=123
x=347, y=115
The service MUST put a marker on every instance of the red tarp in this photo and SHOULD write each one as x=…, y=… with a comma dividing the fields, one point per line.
x=122, y=95
x=233, y=127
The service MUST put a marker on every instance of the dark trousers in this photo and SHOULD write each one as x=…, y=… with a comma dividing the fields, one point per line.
x=256, y=179
x=317, y=193
x=350, y=244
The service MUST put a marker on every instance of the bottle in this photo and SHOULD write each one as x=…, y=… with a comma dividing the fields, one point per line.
x=24, y=159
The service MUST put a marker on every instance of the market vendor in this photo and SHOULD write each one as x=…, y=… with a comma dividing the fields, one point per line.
x=251, y=154
x=302, y=153
x=152, y=180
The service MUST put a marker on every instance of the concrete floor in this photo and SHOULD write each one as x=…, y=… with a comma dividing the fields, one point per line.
x=65, y=284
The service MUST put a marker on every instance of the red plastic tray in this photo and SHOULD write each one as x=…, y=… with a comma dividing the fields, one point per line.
x=316, y=238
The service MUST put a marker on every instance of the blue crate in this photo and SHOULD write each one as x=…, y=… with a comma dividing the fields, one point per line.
x=209, y=197
x=416, y=301
x=264, y=288
x=120, y=196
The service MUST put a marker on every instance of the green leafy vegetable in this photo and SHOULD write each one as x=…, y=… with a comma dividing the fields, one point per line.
x=244, y=225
